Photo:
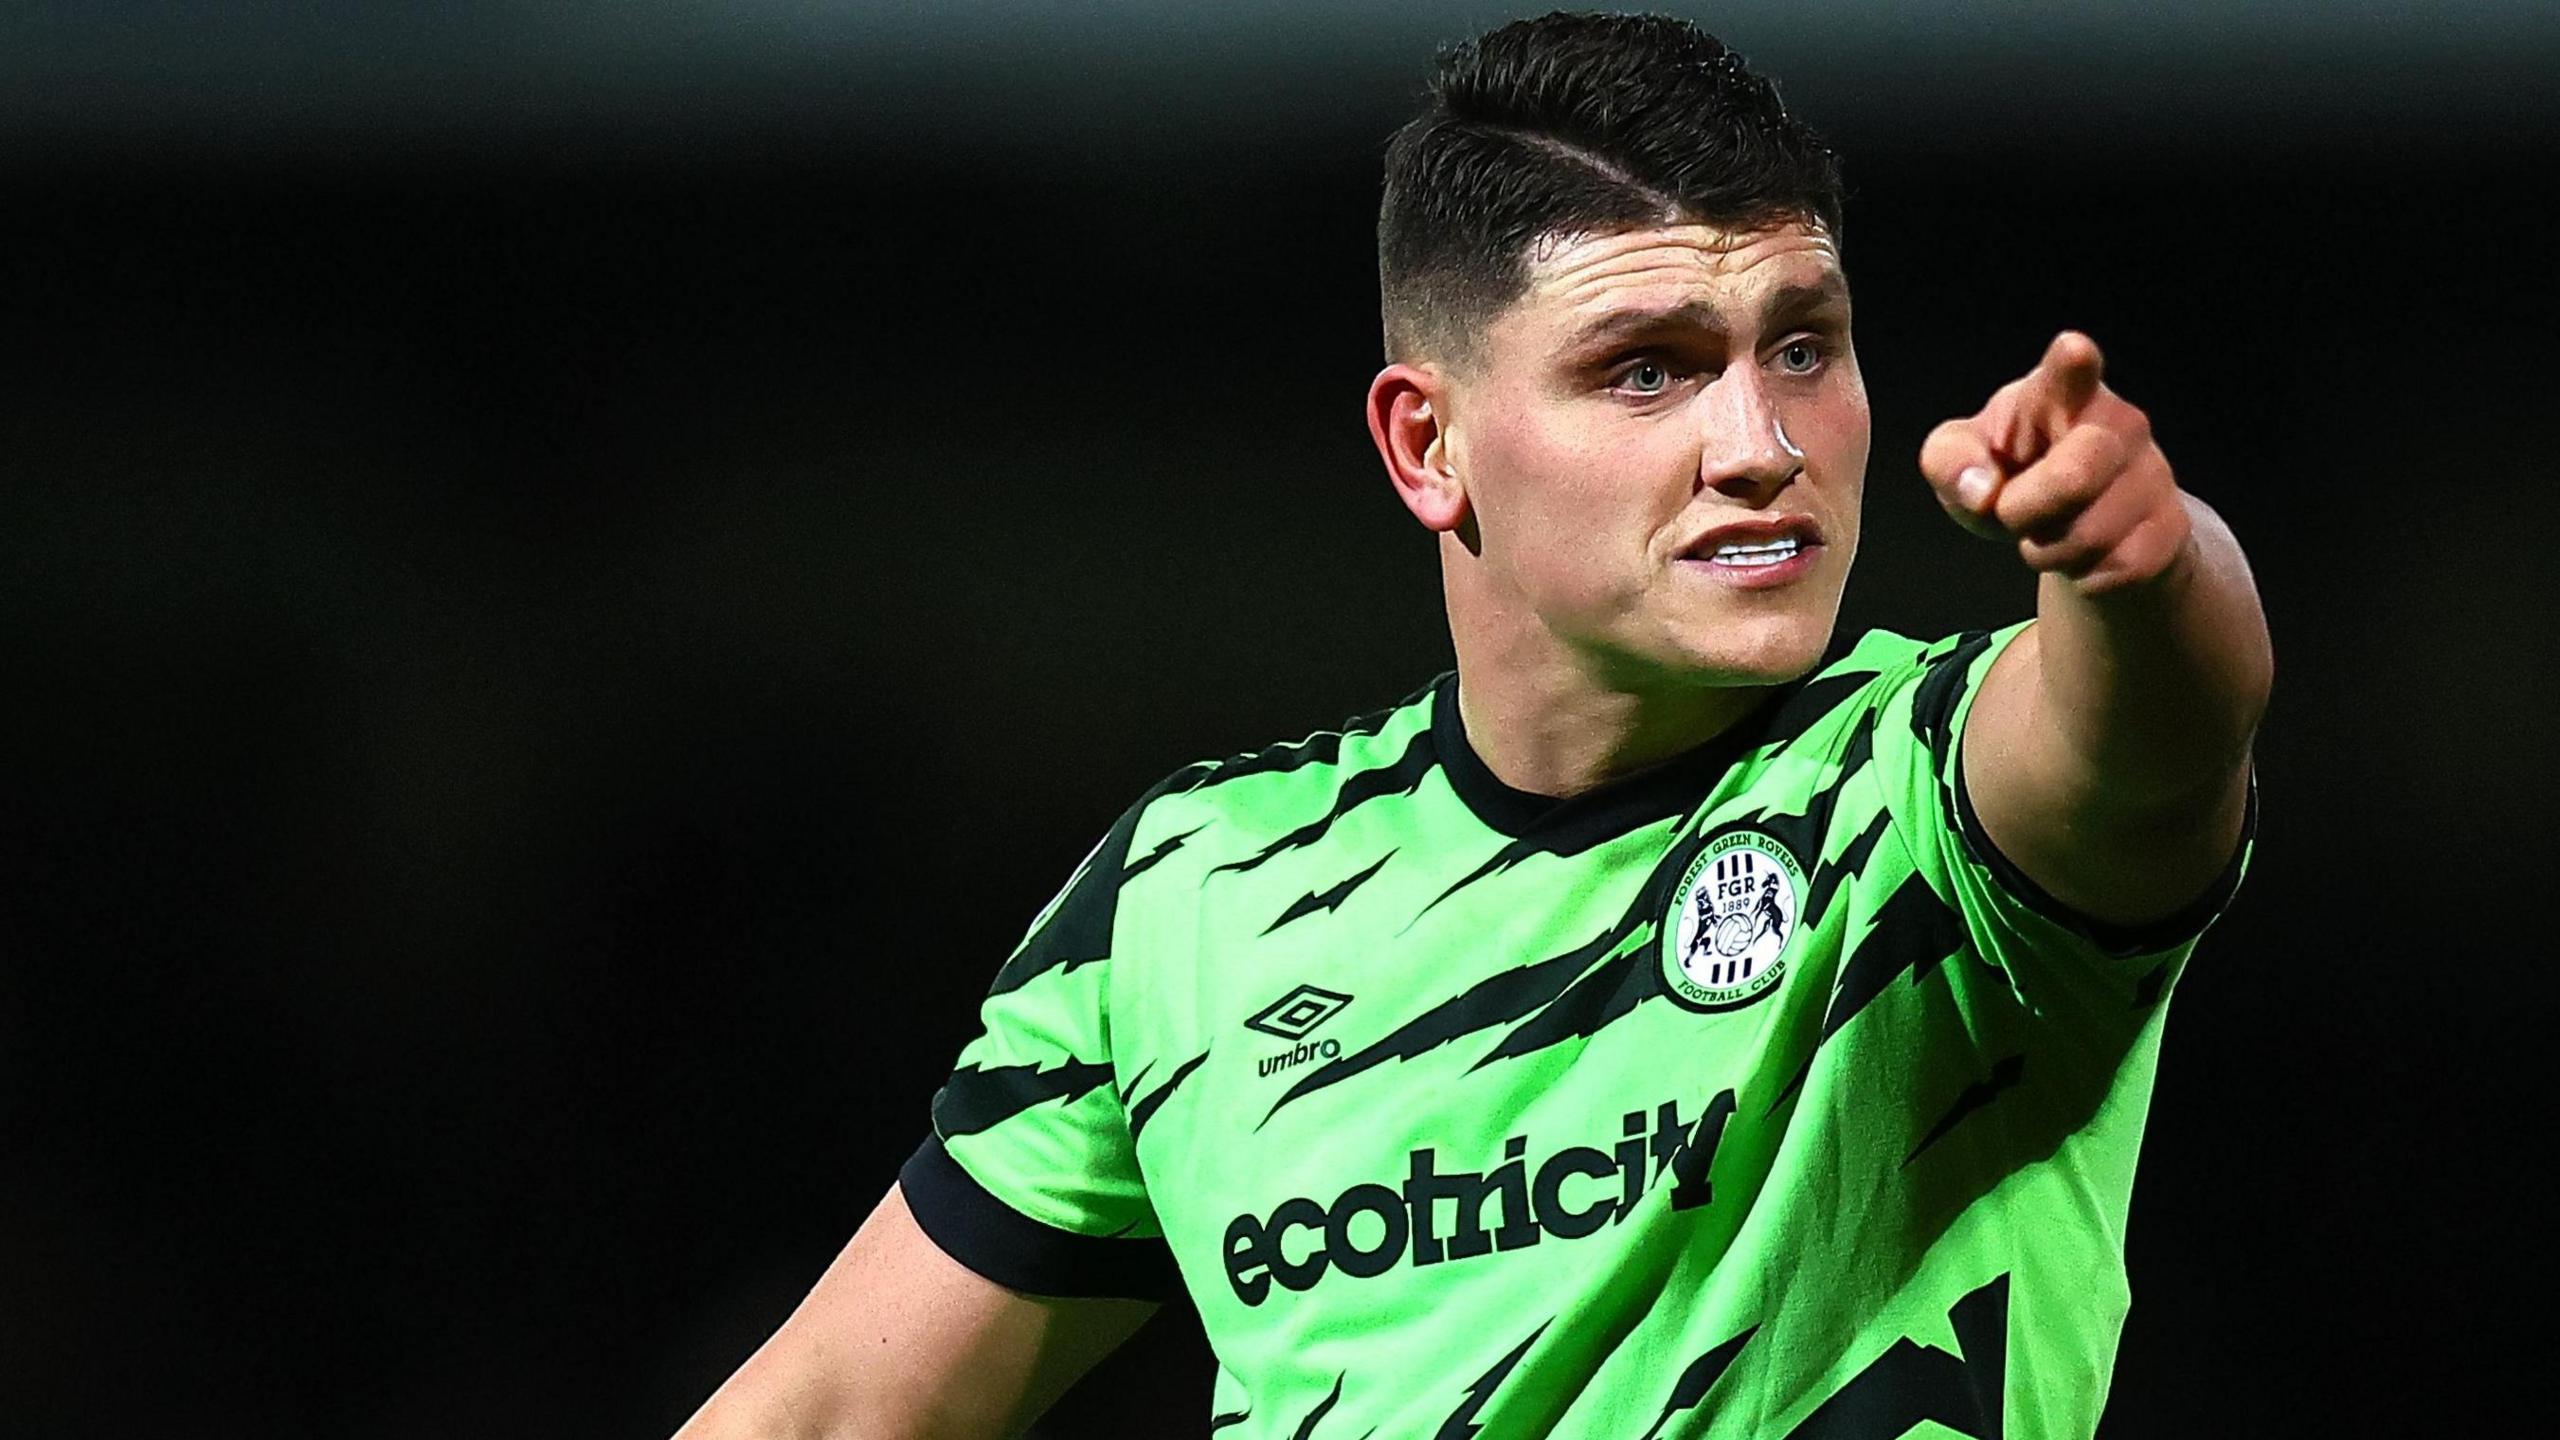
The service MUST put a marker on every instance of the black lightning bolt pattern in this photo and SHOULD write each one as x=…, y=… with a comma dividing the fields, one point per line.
x=1322, y=748
x=1933, y=704
x=1515, y=851
x=1699, y=1378
x=1495, y=1000
x=1225, y=1418
x=1145, y=1110
x=1810, y=705
x=1328, y=899
x=1803, y=834
x=1155, y=857
x=1565, y=997
x=1798, y=713
x=1914, y=931
x=1911, y=1383
x=1461, y=1424
x=1613, y=990
x=1078, y=930
x=982, y=1098
x=1401, y=778
x=1608, y=993
x=1830, y=875
x=2005, y=1074
x=1324, y=1406
x=1616, y=988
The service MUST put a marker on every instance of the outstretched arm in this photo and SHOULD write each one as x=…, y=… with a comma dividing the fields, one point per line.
x=901, y=1342
x=2108, y=752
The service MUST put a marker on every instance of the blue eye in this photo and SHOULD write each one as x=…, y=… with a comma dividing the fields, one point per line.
x=1642, y=367
x=1813, y=356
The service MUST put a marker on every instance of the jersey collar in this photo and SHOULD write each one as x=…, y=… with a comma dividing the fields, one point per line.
x=1661, y=792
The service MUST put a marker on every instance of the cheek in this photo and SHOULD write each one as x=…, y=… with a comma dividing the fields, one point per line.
x=1535, y=483
x=1846, y=475
x=1564, y=518
x=1855, y=420
x=1835, y=439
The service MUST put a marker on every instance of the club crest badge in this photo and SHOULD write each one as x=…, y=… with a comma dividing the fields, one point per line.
x=1724, y=943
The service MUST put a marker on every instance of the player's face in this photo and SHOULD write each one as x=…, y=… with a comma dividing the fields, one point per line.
x=1657, y=398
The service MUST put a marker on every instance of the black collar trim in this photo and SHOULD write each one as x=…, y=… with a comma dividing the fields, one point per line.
x=1660, y=792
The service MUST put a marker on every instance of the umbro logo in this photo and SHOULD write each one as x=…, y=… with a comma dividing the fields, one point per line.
x=1292, y=1017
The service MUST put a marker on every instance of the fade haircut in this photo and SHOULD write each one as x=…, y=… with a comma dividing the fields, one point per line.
x=1569, y=125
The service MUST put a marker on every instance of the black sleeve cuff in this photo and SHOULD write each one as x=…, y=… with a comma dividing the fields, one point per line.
x=1020, y=1253
x=2121, y=941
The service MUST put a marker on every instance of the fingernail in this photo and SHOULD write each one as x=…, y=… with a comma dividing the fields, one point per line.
x=1973, y=487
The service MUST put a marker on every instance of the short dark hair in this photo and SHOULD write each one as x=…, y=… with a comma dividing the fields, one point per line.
x=1576, y=124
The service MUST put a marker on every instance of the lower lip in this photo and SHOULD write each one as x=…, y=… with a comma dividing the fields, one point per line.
x=1758, y=577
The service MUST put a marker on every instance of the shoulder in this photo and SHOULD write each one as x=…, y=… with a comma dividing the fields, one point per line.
x=1273, y=785
x=1847, y=690
x=1894, y=656
x=1928, y=677
x=1881, y=696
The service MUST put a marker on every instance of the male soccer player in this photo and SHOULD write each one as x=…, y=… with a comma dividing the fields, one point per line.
x=1647, y=1029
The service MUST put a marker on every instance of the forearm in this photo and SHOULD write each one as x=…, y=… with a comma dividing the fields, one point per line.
x=2156, y=687
x=728, y=1416
x=830, y=1376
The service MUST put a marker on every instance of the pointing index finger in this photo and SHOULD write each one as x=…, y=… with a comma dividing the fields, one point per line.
x=2053, y=395
x=2072, y=367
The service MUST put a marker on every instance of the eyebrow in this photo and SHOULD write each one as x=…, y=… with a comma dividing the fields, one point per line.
x=1787, y=302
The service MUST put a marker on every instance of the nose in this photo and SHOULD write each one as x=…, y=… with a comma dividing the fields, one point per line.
x=1745, y=451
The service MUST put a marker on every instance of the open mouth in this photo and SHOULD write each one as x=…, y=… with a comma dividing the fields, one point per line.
x=1759, y=555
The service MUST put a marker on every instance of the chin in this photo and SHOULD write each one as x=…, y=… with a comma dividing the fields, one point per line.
x=1764, y=650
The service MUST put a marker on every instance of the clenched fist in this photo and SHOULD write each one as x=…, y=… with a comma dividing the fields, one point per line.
x=2067, y=469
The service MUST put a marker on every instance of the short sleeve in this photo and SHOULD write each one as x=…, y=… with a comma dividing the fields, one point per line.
x=2050, y=951
x=1029, y=1176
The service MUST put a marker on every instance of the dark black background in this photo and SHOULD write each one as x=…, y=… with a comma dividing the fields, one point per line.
x=553, y=650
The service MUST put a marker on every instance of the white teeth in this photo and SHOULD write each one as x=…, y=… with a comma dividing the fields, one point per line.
x=1768, y=553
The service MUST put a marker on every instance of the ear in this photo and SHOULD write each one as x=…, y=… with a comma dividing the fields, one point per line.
x=1408, y=418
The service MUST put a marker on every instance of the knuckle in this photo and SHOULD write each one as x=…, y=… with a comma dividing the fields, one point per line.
x=2070, y=555
x=2085, y=483
x=2030, y=504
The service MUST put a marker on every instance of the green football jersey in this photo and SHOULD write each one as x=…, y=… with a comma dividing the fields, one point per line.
x=1751, y=1096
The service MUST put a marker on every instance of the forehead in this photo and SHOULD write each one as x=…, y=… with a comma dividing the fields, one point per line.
x=1578, y=280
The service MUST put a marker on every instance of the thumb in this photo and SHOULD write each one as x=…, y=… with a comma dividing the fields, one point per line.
x=1958, y=462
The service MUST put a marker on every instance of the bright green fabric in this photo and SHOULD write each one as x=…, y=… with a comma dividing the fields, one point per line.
x=1870, y=1196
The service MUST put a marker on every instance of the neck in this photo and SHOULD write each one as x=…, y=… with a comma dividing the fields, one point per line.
x=1553, y=723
